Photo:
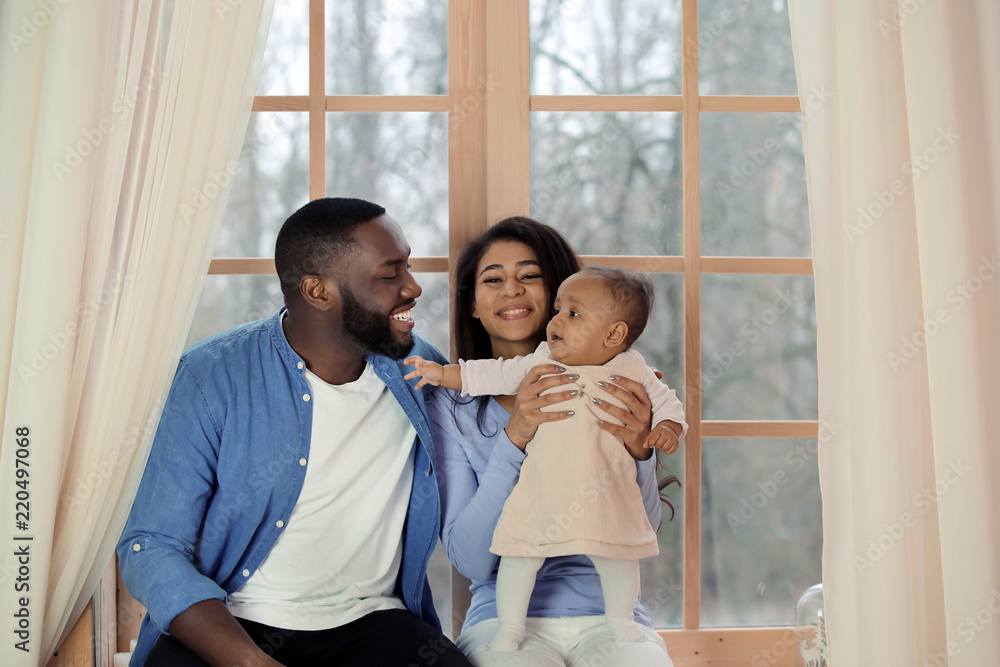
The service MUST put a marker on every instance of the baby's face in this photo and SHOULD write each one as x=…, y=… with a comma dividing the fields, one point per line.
x=584, y=316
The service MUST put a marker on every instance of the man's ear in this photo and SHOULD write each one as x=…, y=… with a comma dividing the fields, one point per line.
x=616, y=335
x=320, y=293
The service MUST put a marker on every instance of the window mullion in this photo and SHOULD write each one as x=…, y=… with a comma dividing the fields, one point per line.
x=692, y=313
x=317, y=99
x=508, y=183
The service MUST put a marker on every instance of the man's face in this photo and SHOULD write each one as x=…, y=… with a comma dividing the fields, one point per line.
x=379, y=291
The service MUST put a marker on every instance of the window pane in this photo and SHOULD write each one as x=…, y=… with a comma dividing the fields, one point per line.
x=610, y=182
x=399, y=161
x=285, y=68
x=229, y=300
x=662, y=342
x=758, y=347
x=662, y=576
x=745, y=48
x=625, y=47
x=753, y=185
x=762, y=531
x=431, y=316
x=387, y=47
x=270, y=183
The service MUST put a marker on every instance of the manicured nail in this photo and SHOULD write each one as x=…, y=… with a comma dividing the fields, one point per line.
x=615, y=378
x=600, y=422
x=573, y=377
x=598, y=401
x=570, y=413
x=561, y=369
x=602, y=384
x=574, y=392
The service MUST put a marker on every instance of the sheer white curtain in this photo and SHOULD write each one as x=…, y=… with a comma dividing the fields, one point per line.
x=901, y=102
x=121, y=124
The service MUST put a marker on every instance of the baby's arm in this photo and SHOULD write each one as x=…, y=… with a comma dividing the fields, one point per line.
x=668, y=415
x=429, y=372
x=475, y=377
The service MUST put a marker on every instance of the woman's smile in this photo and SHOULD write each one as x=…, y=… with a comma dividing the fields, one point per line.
x=515, y=312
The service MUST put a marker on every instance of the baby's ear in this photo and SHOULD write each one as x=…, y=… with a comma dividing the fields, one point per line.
x=616, y=334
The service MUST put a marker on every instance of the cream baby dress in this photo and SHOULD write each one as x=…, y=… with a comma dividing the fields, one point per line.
x=577, y=493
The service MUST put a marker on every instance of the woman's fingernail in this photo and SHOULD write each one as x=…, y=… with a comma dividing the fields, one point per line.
x=574, y=392
x=598, y=401
x=573, y=377
x=600, y=422
x=615, y=378
x=561, y=369
x=570, y=413
x=602, y=384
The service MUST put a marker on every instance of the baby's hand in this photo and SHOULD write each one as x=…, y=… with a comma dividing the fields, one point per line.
x=428, y=371
x=664, y=438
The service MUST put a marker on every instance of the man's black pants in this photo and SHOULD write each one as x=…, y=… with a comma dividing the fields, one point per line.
x=391, y=638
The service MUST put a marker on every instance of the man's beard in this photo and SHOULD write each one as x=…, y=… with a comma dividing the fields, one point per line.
x=371, y=329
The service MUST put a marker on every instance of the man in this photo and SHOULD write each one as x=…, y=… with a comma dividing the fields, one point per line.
x=289, y=507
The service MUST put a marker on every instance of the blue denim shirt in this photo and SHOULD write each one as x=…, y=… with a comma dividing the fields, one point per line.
x=228, y=462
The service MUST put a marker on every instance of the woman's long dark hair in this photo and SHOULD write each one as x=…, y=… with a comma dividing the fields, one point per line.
x=557, y=261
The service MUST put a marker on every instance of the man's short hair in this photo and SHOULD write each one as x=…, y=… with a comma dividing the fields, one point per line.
x=631, y=297
x=317, y=238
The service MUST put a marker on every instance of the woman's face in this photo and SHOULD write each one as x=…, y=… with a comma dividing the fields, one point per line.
x=510, y=299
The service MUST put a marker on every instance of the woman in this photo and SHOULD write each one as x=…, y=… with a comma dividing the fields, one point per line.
x=506, y=283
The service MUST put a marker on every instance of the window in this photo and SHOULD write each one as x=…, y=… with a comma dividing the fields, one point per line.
x=659, y=135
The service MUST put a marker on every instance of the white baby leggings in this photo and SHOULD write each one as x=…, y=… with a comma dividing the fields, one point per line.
x=516, y=580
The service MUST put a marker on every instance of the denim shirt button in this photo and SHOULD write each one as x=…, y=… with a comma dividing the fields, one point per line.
x=136, y=547
x=279, y=523
x=305, y=397
x=299, y=365
x=302, y=462
x=246, y=573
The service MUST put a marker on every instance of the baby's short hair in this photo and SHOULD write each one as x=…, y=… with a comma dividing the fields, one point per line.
x=631, y=297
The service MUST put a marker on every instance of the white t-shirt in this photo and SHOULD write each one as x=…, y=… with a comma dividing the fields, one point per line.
x=339, y=555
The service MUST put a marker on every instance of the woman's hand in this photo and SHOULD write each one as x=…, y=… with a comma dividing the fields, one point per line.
x=527, y=412
x=635, y=415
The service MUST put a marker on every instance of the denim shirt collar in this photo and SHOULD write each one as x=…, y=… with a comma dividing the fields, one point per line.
x=280, y=343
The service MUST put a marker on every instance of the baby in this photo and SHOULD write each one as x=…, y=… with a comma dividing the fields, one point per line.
x=577, y=492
